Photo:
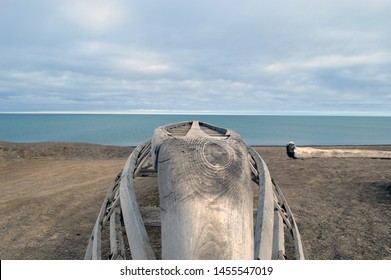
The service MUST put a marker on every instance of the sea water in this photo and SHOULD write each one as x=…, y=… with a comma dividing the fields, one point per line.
x=130, y=130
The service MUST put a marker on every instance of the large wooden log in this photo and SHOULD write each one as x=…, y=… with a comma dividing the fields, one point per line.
x=205, y=195
x=306, y=152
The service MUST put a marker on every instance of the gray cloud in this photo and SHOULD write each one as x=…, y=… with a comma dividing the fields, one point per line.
x=327, y=57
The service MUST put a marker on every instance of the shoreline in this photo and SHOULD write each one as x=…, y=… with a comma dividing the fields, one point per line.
x=52, y=193
x=134, y=146
x=82, y=150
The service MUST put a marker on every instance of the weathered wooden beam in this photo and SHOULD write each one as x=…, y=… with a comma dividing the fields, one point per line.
x=205, y=195
x=116, y=237
x=307, y=152
x=263, y=236
x=278, y=250
x=196, y=131
x=135, y=230
x=300, y=253
x=272, y=214
x=94, y=246
x=151, y=216
x=206, y=204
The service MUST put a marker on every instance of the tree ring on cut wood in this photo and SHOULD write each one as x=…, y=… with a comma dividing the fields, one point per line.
x=198, y=173
x=216, y=155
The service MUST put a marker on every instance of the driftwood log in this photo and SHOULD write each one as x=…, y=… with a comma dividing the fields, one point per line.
x=205, y=195
x=307, y=152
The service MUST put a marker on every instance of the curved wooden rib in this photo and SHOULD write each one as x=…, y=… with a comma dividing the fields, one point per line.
x=263, y=235
x=120, y=204
x=94, y=245
x=135, y=229
x=273, y=213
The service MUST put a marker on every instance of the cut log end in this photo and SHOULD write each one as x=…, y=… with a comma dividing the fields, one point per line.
x=290, y=149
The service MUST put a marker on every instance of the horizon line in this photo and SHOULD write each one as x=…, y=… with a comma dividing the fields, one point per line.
x=220, y=113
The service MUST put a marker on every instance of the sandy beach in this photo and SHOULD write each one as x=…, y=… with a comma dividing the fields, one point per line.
x=51, y=194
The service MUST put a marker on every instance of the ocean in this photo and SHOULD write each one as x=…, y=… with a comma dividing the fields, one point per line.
x=131, y=130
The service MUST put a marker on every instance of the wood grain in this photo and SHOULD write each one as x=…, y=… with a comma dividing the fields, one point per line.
x=205, y=196
x=135, y=229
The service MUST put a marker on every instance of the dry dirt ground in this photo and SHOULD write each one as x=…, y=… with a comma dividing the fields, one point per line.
x=51, y=194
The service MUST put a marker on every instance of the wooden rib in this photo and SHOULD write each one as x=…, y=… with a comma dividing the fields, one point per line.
x=135, y=229
x=263, y=235
x=299, y=248
x=144, y=158
x=252, y=166
x=96, y=243
x=285, y=216
x=146, y=168
x=116, y=238
x=88, y=254
x=93, y=249
x=278, y=236
x=110, y=210
x=145, y=151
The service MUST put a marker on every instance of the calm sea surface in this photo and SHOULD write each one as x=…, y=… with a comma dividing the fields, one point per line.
x=129, y=130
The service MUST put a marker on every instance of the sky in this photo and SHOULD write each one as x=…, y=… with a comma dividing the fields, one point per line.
x=298, y=57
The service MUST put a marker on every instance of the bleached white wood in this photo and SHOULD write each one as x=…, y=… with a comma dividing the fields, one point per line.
x=307, y=152
x=278, y=236
x=94, y=246
x=269, y=236
x=299, y=247
x=135, y=230
x=116, y=237
x=206, y=209
x=205, y=195
x=195, y=131
x=263, y=236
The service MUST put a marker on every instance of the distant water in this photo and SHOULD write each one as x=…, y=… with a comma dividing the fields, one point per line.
x=130, y=130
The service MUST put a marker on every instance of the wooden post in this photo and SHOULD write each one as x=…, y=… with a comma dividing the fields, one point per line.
x=205, y=195
x=307, y=152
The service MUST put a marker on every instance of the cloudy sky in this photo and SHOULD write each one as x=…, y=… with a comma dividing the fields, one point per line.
x=215, y=56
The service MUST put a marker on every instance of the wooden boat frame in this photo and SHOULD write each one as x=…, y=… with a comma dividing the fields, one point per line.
x=274, y=221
